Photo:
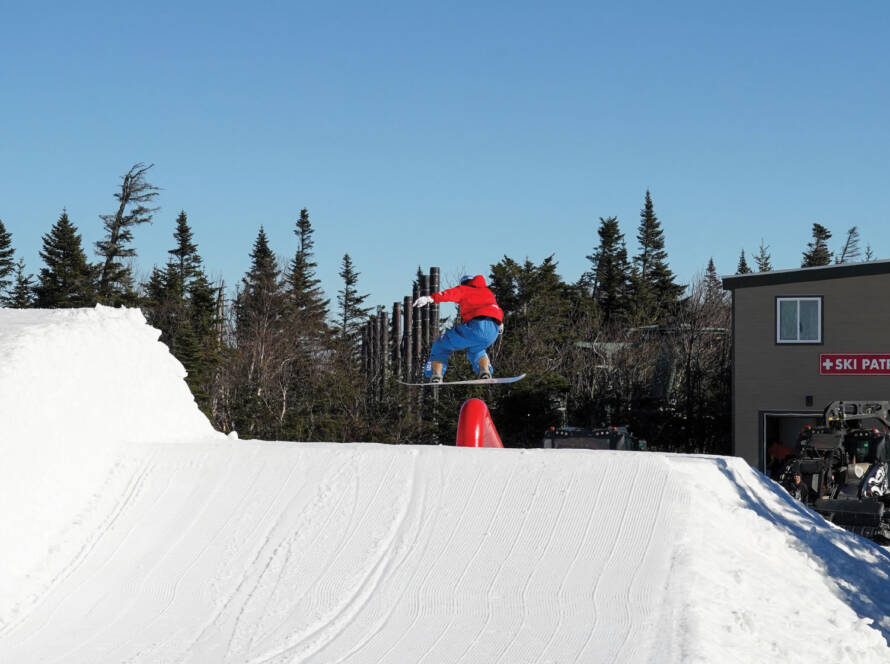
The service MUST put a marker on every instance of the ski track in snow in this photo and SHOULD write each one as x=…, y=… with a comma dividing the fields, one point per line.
x=274, y=552
x=127, y=496
x=230, y=597
x=345, y=604
x=170, y=544
x=384, y=619
x=417, y=613
x=360, y=548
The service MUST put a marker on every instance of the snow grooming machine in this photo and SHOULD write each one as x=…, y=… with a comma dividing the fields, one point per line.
x=843, y=467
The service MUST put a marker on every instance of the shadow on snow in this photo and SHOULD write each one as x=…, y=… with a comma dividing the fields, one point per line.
x=841, y=553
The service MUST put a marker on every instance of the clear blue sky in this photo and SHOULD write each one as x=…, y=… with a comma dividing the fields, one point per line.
x=450, y=134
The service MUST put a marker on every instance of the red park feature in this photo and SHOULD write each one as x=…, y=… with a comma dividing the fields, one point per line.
x=475, y=428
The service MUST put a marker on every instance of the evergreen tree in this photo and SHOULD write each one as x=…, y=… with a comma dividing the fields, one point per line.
x=21, y=295
x=713, y=287
x=654, y=291
x=850, y=252
x=200, y=344
x=68, y=280
x=544, y=318
x=305, y=290
x=352, y=314
x=182, y=303
x=743, y=265
x=162, y=305
x=156, y=286
x=869, y=254
x=166, y=305
x=763, y=259
x=504, y=283
x=204, y=315
x=7, y=263
x=308, y=332
x=115, y=278
x=203, y=299
x=530, y=293
x=260, y=353
x=260, y=302
x=185, y=255
x=610, y=270
x=817, y=252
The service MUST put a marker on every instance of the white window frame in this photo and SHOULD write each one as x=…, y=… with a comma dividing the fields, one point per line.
x=798, y=300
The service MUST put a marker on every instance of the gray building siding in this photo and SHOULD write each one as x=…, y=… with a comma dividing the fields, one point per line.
x=777, y=378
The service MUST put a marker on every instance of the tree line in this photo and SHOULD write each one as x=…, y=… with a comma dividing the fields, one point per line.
x=625, y=344
x=817, y=253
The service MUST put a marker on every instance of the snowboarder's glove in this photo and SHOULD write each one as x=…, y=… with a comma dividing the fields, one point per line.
x=422, y=301
x=501, y=328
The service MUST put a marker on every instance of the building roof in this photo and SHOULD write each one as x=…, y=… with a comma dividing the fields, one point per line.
x=778, y=277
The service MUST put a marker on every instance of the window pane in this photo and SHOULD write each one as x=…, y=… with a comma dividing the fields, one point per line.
x=809, y=320
x=787, y=320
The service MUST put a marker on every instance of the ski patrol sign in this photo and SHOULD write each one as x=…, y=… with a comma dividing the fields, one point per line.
x=854, y=364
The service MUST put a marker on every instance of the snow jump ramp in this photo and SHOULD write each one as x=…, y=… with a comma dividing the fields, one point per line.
x=132, y=532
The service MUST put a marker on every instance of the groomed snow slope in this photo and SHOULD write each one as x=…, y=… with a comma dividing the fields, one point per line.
x=202, y=549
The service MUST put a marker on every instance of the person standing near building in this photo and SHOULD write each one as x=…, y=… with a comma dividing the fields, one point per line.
x=796, y=487
x=482, y=322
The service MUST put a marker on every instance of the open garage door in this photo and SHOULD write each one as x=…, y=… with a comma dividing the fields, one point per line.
x=779, y=430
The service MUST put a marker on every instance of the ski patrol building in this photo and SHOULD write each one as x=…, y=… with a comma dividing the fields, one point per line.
x=802, y=339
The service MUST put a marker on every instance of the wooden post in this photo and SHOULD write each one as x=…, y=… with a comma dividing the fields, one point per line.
x=409, y=339
x=220, y=312
x=372, y=347
x=434, y=308
x=418, y=336
x=383, y=340
x=366, y=351
x=397, y=340
x=425, y=317
x=432, y=331
x=382, y=350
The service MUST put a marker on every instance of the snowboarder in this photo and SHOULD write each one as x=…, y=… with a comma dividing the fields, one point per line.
x=483, y=321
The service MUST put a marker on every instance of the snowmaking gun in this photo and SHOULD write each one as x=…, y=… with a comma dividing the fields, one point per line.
x=843, y=467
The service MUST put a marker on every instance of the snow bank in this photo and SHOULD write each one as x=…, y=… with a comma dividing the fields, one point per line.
x=80, y=376
x=764, y=579
x=74, y=385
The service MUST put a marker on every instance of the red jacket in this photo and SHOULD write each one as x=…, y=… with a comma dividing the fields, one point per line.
x=474, y=299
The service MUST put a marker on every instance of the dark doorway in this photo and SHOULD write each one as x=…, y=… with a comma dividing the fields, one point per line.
x=778, y=435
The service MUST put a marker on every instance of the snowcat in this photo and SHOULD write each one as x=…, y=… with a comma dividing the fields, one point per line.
x=839, y=467
x=602, y=438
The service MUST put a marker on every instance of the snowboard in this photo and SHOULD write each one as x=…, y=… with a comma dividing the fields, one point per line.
x=475, y=381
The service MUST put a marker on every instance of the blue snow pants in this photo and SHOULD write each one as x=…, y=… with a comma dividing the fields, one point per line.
x=474, y=336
